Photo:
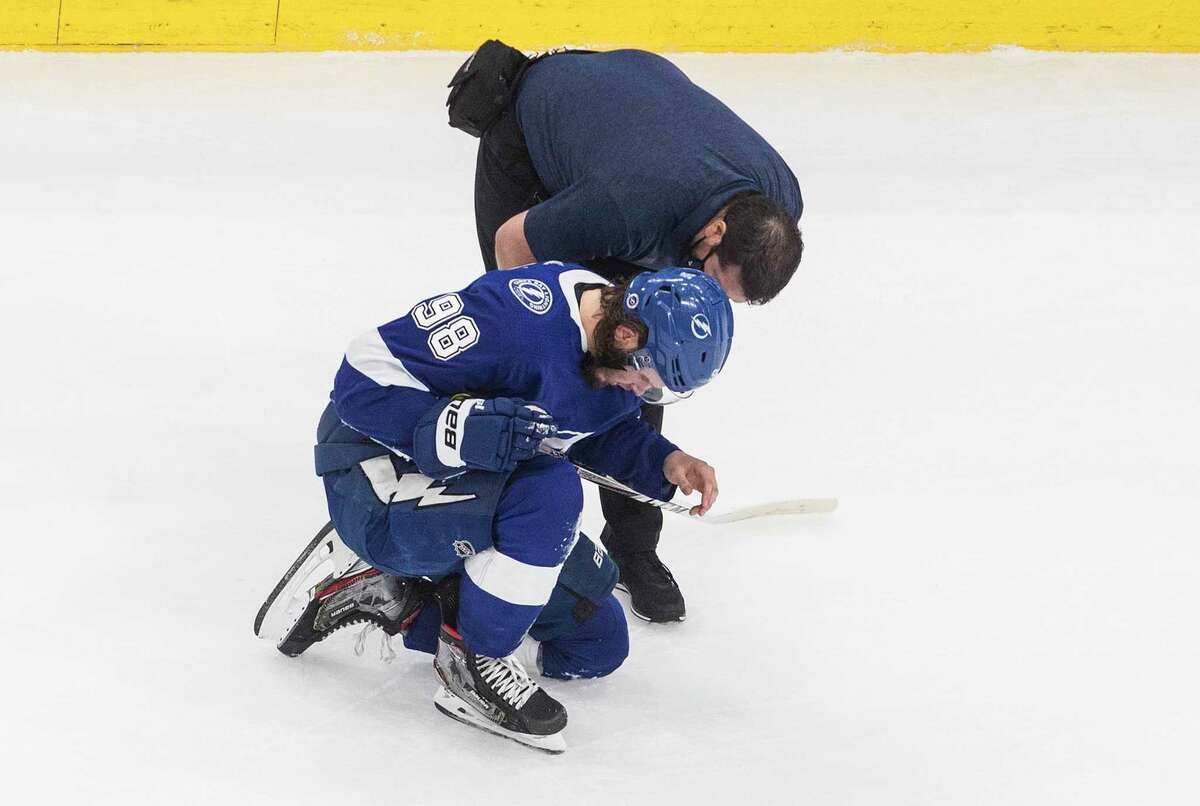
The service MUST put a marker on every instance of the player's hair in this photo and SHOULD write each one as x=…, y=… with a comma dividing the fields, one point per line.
x=607, y=354
x=763, y=238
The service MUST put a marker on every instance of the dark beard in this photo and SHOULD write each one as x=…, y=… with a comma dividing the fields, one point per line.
x=607, y=355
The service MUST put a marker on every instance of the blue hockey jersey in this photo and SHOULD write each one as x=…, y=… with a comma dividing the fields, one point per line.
x=513, y=334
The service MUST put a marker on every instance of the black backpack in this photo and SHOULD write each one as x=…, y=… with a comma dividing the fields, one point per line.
x=485, y=84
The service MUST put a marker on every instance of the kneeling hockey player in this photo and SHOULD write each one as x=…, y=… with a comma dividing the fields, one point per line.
x=440, y=489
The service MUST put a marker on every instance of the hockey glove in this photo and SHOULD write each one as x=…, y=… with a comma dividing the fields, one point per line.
x=474, y=434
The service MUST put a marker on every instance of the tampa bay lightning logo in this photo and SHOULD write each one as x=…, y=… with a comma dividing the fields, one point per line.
x=533, y=294
x=631, y=302
x=701, y=329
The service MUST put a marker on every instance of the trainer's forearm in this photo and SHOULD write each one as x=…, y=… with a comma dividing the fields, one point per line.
x=511, y=247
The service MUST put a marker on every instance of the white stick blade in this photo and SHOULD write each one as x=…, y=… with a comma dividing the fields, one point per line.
x=795, y=506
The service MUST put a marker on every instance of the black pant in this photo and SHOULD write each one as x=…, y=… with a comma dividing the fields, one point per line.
x=506, y=184
x=631, y=525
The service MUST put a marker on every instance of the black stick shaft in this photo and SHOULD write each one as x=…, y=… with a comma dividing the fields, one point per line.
x=609, y=483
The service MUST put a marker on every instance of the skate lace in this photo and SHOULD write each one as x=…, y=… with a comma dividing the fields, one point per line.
x=508, y=678
x=387, y=653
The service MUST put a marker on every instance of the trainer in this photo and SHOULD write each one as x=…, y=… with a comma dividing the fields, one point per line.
x=617, y=158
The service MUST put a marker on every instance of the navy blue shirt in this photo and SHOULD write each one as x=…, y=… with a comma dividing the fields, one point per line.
x=636, y=157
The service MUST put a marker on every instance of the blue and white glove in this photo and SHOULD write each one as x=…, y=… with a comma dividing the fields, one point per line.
x=476, y=434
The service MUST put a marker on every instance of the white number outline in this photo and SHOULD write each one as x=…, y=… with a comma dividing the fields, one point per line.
x=462, y=331
x=431, y=313
x=460, y=343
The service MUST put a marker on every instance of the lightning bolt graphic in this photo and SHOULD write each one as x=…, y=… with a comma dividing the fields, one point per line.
x=415, y=485
x=389, y=488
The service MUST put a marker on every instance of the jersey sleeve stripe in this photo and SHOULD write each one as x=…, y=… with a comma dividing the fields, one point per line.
x=567, y=281
x=369, y=354
x=511, y=580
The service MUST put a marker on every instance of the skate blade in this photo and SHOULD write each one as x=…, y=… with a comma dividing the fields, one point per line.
x=453, y=707
x=325, y=556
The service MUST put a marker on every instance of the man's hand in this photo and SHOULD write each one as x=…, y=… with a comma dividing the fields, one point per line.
x=690, y=474
x=481, y=434
x=512, y=249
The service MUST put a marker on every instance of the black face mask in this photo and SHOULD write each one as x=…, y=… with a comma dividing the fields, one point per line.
x=698, y=262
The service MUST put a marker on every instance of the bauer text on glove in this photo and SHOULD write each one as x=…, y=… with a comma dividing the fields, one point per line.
x=466, y=433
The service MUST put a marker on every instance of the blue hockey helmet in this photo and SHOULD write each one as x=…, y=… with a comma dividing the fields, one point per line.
x=690, y=324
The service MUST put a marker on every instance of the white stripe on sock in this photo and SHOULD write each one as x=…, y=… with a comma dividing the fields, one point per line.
x=511, y=580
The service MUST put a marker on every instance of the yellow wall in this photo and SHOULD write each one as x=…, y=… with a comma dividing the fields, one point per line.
x=28, y=22
x=678, y=25
x=175, y=23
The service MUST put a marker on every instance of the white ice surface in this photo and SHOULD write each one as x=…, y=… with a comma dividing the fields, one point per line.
x=989, y=355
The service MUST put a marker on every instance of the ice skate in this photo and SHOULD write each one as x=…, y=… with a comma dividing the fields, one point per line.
x=496, y=695
x=362, y=595
x=329, y=587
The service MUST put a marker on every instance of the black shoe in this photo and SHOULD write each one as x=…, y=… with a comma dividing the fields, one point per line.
x=654, y=595
x=363, y=594
x=496, y=695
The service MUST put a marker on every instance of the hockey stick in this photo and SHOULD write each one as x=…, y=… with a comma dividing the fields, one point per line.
x=792, y=506
x=795, y=506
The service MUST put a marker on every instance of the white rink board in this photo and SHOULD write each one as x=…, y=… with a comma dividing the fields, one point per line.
x=989, y=357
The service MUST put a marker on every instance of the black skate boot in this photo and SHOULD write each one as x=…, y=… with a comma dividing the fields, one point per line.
x=328, y=587
x=653, y=593
x=496, y=695
x=364, y=594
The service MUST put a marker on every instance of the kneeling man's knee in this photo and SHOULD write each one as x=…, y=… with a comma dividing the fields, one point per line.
x=596, y=648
